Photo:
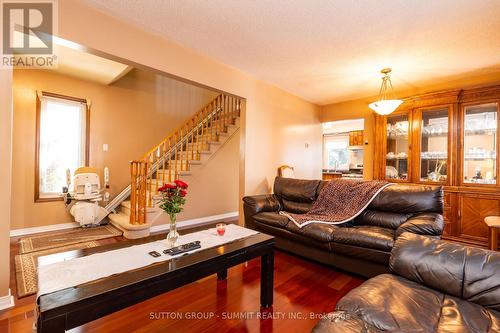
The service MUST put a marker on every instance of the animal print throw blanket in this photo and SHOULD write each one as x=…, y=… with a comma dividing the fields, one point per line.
x=339, y=201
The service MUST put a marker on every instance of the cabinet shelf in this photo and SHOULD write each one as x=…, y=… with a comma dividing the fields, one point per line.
x=396, y=158
x=479, y=158
x=396, y=136
x=440, y=135
x=486, y=131
x=444, y=158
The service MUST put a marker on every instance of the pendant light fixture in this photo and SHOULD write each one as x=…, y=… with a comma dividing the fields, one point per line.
x=385, y=105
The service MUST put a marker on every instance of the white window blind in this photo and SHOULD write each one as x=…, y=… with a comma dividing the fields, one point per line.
x=62, y=142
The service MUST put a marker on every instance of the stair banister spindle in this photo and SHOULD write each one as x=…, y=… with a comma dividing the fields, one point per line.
x=193, y=124
x=150, y=196
x=189, y=149
x=229, y=107
x=176, y=153
x=142, y=217
x=214, y=119
x=202, y=128
x=133, y=195
x=163, y=159
x=217, y=117
x=185, y=143
x=224, y=112
x=232, y=109
x=209, y=120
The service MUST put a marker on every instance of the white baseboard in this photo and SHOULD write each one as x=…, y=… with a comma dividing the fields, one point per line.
x=6, y=301
x=162, y=227
x=45, y=228
x=196, y=222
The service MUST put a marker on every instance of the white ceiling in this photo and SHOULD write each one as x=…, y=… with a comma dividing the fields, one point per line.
x=331, y=50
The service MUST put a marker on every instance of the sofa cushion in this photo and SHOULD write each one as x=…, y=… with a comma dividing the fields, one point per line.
x=409, y=199
x=364, y=253
x=299, y=190
x=296, y=207
x=292, y=236
x=382, y=219
x=458, y=315
x=395, y=304
x=272, y=218
x=365, y=236
x=318, y=231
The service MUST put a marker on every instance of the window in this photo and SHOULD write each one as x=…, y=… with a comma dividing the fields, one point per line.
x=62, y=142
x=335, y=151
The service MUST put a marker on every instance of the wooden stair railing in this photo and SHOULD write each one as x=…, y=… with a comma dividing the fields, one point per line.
x=163, y=163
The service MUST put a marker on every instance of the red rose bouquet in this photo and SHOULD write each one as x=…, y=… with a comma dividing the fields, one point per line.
x=173, y=197
x=172, y=200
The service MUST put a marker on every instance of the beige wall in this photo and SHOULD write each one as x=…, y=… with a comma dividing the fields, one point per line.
x=131, y=116
x=5, y=176
x=277, y=125
x=352, y=110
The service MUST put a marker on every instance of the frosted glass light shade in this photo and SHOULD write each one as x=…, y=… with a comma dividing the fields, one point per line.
x=385, y=106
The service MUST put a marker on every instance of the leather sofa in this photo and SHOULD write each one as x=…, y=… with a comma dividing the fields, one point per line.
x=362, y=246
x=435, y=286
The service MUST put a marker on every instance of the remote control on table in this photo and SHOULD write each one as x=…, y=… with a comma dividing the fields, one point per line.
x=154, y=254
x=183, y=248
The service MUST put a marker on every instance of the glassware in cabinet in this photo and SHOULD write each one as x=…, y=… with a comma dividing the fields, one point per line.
x=480, y=144
x=398, y=146
x=434, y=127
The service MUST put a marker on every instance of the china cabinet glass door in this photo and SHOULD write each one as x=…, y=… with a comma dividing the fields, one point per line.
x=434, y=145
x=480, y=144
x=398, y=145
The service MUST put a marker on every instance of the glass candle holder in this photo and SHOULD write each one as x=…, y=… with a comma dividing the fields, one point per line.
x=221, y=229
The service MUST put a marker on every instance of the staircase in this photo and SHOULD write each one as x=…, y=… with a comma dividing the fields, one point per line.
x=176, y=157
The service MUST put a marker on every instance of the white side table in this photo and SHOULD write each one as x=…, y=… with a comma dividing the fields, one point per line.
x=493, y=222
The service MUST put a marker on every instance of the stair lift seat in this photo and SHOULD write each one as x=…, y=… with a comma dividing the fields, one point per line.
x=84, y=200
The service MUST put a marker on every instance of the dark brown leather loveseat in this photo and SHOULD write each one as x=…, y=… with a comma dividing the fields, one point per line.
x=436, y=286
x=362, y=246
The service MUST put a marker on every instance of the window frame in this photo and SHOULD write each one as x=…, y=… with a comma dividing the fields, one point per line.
x=37, y=197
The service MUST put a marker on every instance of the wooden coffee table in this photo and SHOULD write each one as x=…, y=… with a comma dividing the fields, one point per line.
x=72, y=307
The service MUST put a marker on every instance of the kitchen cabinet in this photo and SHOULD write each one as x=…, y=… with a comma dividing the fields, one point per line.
x=356, y=138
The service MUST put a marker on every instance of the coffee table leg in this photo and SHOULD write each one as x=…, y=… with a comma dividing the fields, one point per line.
x=267, y=280
x=222, y=275
x=53, y=325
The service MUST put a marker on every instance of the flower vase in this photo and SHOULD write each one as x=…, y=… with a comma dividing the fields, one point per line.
x=173, y=235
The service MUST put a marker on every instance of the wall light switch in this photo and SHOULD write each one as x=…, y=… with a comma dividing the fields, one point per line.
x=105, y=147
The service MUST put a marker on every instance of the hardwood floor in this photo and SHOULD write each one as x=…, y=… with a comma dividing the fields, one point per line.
x=303, y=292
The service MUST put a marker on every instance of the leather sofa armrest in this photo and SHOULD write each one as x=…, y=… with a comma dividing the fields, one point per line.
x=261, y=203
x=430, y=224
x=257, y=204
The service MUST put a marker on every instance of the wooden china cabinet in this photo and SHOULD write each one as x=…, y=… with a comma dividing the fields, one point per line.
x=447, y=138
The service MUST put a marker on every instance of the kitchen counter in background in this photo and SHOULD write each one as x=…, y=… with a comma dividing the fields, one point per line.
x=352, y=173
